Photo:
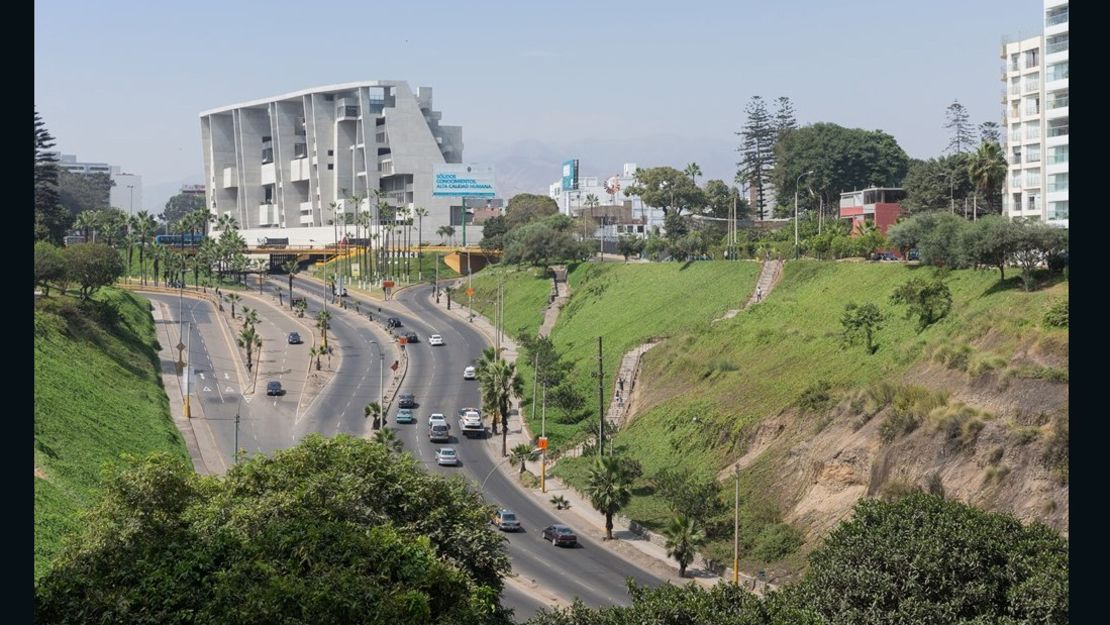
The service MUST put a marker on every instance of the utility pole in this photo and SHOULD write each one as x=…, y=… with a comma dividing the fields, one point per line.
x=188, y=362
x=543, y=434
x=600, y=402
x=736, y=532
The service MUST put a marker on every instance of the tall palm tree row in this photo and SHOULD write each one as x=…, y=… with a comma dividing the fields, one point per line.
x=420, y=213
x=250, y=341
x=145, y=227
x=609, y=488
x=499, y=383
x=322, y=324
x=292, y=268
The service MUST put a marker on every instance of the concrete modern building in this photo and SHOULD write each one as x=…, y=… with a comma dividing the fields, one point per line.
x=126, y=192
x=874, y=205
x=288, y=166
x=1035, y=97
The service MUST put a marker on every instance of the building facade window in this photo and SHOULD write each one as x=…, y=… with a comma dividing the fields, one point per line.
x=1058, y=182
x=1058, y=210
x=1058, y=15
x=1033, y=153
x=1058, y=127
x=1057, y=71
x=1032, y=82
x=1058, y=155
x=1033, y=106
x=1033, y=179
x=1058, y=99
x=1032, y=131
x=1032, y=202
x=1031, y=59
x=1056, y=43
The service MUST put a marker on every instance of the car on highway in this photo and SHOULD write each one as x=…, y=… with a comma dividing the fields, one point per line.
x=406, y=400
x=295, y=339
x=411, y=337
x=560, y=535
x=472, y=424
x=404, y=415
x=393, y=322
x=435, y=339
x=446, y=456
x=470, y=373
x=273, y=387
x=506, y=521
x=439, y=434
x=437, y=418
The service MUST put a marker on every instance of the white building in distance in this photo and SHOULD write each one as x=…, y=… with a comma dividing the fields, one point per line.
x=126, y=193
x=286, y=166
x=628, y=214
x=1035, y=74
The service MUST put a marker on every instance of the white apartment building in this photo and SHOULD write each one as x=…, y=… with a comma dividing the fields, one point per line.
x=642, y=216
x=1035, y=97
x=285, y=166
x=126, y=192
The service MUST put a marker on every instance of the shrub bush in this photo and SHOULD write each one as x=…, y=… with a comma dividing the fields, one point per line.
x=815, y=397
x=776, y=541
x=1057, y=314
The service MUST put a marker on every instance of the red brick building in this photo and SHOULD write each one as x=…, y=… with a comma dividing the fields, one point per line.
x=879, y=206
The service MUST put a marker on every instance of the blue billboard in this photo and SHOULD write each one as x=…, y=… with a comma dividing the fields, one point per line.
x=462, y=180
x=570, y=175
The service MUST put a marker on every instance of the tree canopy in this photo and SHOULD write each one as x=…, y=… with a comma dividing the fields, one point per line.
x=526, y=208
x=841, y=159
x=336, y=530
x=180, y=206
x=668, y=189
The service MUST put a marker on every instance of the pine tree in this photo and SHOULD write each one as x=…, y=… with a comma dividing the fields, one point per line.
x=989, y=132
x=962, y=132
x=759, y=136
x=51, y=220
x=784, y=117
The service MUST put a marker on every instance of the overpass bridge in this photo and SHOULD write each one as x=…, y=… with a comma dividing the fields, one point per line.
x=457, y=258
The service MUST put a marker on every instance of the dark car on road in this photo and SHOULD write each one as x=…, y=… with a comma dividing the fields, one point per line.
x=393, y=322
x=411, y=337
x=406, y=400
x=560, y=535
x=295, y=339
x=273, y=387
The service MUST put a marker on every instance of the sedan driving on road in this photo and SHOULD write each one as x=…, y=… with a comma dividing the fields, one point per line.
x=446, y=456
x=406, y=400
x=273, y=387
x=393, y=322
x=506, y=521
x=411, y=337
x=438, y=418
x=295, y=339
x=560, y=535
x=435, y=339
x=470, y=373
x=404, y=415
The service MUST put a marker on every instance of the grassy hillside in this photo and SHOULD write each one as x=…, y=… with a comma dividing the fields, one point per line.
x=626, y=304
x=98, y=394
x=707, y=391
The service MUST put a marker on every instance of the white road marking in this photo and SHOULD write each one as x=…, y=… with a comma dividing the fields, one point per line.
x=209, y=390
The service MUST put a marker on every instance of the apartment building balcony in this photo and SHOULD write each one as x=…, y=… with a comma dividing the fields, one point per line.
x=306, y=214
x=267, y=215
x=299, y=169
x=231, y=179
x=268, y=173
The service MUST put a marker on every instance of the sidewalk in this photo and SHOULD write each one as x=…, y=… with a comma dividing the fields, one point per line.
x=644, y=548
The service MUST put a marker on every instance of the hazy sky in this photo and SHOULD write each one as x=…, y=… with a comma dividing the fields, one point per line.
x=123, y=81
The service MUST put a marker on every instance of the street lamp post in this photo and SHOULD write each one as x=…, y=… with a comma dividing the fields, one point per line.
x=798, y=181
x=736, y=532
x=131, y=209
x=381, y=378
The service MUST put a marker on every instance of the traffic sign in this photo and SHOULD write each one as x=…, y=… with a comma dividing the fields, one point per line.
x=543, y=442
x=470, y=292
x=387, y=284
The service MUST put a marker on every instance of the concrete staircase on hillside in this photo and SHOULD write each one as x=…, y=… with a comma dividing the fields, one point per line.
x=629, y=372
x=769, y=276
x=560, y=292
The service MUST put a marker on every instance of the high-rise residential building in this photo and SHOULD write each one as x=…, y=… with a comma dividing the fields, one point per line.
x=1035, y=96
x=289, y=166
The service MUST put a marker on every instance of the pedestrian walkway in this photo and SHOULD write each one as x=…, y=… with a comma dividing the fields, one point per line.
x=769, y=275
x=560, y=295
x=621, y=404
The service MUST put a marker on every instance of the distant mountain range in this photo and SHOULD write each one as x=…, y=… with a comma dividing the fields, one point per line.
x=530, y=166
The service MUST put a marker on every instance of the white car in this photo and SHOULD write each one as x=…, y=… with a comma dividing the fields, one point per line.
x=446, y=456
x=437, y=418
x=435, y=339
x=470, y=373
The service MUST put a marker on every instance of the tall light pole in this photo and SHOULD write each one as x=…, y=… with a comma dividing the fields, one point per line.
x=798, y=181
x=736, y=532
x=543, y=434
x=381, y=379
x=131, y=210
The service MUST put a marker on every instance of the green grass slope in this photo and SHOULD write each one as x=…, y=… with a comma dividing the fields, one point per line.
x=626, y=304
x=707, y=390
x=98, y=394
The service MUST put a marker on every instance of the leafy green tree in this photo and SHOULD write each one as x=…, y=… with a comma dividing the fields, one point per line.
x=1034, y=245
x=629, y=245
x=936, y=235
x=181, y=205
x=785, y=120
x=989, y=132
x=50, y=265
x=924, y=559
x=545, y=241
x=655, y=246
x=861, y=321
x=526, y=208
x=322, y=319
x=840, y=159
x=928, y=300
x=609, y=489
x=567, y=400
x=334, y=530
x=493, y=233
x=668, y=189
x=83, y=192
x=51, y=219
x=695, y=496
x=719, y=198
x=91, y=266
x=684, y=536
x=520, y=454
x=233, y=298
x=539, y=351
x=991, y=241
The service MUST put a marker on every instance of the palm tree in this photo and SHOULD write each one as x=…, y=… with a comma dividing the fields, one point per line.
x=232, y=299
x=261, y=265
x=609, y=489
x=987, y=168
x=301, y=306
x=250, y=316
x=522, y=453
x=129, y=240
x=684, y=536
x=389, y=438
x=420, y=213
x=446, y=232
x=250, y=341
x=373, y=411
x=145, y=227
x=498, y=382
x=290, y=267
x=322, y=323
x=693, y=171
x=86, y=221
x=315, y=352
x=226, y=222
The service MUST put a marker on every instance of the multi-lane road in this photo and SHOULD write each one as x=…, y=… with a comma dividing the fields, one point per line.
x=590, y=571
